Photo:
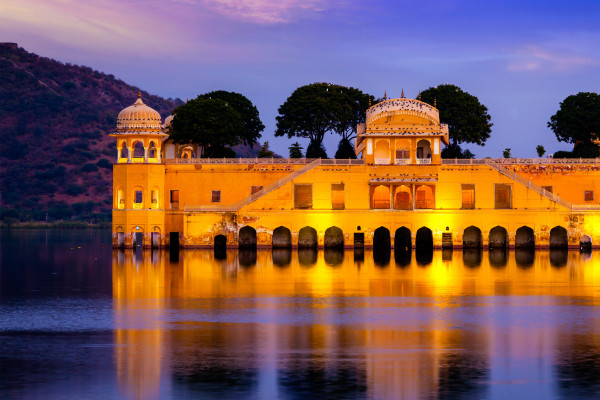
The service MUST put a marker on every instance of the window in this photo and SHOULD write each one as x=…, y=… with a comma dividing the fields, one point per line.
x=303, y=195
x=174, y=199
x=154, y=198
x=216, y=196
x=503, y=195
x=337, y=196
x=138, y=199
x=468, y=196
x=402, y=154
x=120, y=199
x=588, y=195
x=255, y=189
x=548, y=189
x=425, y=197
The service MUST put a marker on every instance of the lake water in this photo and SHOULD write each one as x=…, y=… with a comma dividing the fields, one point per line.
x=81, y=320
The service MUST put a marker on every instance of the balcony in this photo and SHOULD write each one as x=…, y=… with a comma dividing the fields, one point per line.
x=402, y=161
x=423, y=161
x=382, y=161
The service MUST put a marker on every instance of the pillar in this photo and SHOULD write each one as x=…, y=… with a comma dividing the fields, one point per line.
x=145, y=154
x=129, y=153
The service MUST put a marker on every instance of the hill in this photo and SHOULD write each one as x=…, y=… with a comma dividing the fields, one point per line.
x=55, y=153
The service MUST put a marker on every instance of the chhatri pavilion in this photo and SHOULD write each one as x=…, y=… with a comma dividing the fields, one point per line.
x=399, y=193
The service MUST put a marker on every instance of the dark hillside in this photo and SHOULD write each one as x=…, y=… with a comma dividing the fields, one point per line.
x=55, y=153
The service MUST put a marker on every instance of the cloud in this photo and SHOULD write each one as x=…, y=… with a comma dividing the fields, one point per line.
x=536, y=58
x=266, y=11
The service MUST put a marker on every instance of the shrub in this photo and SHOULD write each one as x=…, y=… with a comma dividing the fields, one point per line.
x=89, y=168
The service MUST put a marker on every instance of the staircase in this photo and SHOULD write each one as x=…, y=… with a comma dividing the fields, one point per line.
x=255, y=196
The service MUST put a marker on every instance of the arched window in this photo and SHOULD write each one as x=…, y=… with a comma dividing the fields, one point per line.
x=152, y=150
x=124, y=153
x=120, y=199
x=138, y=150
x=423, y=152
x=425, y=197
x=138, y=197
x=154, y=198
x=403, y=198
x=380, y=197
x=382, y=152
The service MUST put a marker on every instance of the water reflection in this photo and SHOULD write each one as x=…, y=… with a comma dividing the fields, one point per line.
x=292, y=324
x=472, y=257
x=525, y=257
x=382, y=256
x=424, y=256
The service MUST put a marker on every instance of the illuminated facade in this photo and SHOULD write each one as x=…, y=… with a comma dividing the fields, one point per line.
x=399, y=193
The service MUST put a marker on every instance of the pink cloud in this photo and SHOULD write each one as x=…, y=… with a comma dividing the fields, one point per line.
x=534, y=58
x=266, y=11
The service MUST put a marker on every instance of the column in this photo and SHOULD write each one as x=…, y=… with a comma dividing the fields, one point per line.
x=129, y=153
x=412, y=189
x=145, y=154
x=118, y=153
x=391, y=197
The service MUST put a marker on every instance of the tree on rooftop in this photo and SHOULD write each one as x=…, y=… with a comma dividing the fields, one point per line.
x=577, y=119
x=316, y=109
x=295, y=150
x=540, y=150
x=264, y=151
x=468, y=120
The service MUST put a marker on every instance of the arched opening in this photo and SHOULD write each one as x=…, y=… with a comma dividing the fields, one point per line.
x=424, y=239
x=424, y=256
x=402, y=239
x=138, y=150
x=472, y=238
x=559, y=238
x=247, y=237
x=382, y=152
x=585, y=243
x=524, y=237
x=334, y=238
x=186, y=152
x=423, y=151
x=425, y=197
x=381, y=238
x=124, y=152
x=402, y=258
x=120, y=199
x=220, y=247
x=307, y=238
x=498, y=238
x=380, y=197
x=138, y=197
x=154, y=198
x=402, y=151
x=403, y=198
x=282, y=257
x=152, y=150
x=282, y=238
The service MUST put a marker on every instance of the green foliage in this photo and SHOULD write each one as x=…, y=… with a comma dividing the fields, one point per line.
x=586, y=150
x=563, y=154
x=455, y=151
x=207, y=122
x=468, y=120
x=313, y=110
x=220, y=152
x=345, y=150
x=252, y=125
x=506, y=153
x=315, y=150
x=264, y=152
x=540, y=150
x=295, y=150
x=578, y=118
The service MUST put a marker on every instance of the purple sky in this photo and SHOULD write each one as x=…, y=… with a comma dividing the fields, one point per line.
x=520, y=58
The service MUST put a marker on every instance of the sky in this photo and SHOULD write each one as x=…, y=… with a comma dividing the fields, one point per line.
x=520, y=58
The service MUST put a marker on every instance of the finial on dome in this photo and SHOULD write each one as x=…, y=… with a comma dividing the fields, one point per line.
x=369, y=101
x=139, y=94
x=385, y=95
x=434, y=102
x=419, y=96
x=402, y=95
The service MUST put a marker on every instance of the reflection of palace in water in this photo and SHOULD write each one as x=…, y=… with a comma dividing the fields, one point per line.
x=398, y=193
x=335, y=324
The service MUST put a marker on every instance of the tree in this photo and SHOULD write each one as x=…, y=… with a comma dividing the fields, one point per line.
x=211, y=123
x=540, y=150
x=316, y=109
x=253, y=126
x=506, y=153
x=578, y=118
x=468, y=120
x=315, y=150
x=264, y=151
x=345, y=150
x=295, y=150
x=454, y=151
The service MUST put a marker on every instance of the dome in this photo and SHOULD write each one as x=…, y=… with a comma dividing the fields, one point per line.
x=168, y=121
x=138, y=117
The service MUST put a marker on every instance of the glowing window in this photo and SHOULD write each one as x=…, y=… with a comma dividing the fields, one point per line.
x=468, y=196
x=174, y=197
x=303, y=195
x=216, y=196
x=588, y=195
x=337, y=196
x=503, y=195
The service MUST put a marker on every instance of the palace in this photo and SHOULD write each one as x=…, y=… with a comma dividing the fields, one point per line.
x=399, y=193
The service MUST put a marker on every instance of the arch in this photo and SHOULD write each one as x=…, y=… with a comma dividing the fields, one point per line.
x=423, y=149
x=334, y=238
x=424, y=197
x=152, y=150
x=381, y=238
x=424, y=239
x=186, y=152
x=525, y=237
x=380, y=198
x=154, y=198
x=402, y=239
x=138, y=197
x=124, y=152
x=559, y=238
x=402, y=257
x=585, y=242
x=403, y=198
x=307, y=237
x=498, y=238
x=282, y=238
x=472, y=238
x=382, y=152
x=247, y=237
x=220, y=241
x=119, y=229
x=424, y=256
x=138, y=149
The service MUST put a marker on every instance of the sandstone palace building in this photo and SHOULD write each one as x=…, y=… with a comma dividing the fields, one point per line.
x=399, y=193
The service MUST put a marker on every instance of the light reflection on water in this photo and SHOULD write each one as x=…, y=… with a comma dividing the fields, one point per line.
x=102, y=323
